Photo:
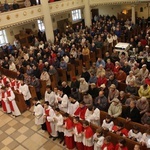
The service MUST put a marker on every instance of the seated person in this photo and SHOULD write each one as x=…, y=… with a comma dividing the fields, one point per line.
x=120, y=129
x=88, y=100
x=101, y=102
x=113, y=93
x=135, y=134
x=108, y=123
x=145, y=138
x=145, y=120
x=142, y=105
x=121, y=145
x=130, y=78
x=131, y=113
x=101, y=80
x=93, y=90
x=122, y=97
x=115, y=108
x=121, y=76
x=144, y=90
x=131, y=89
x=111, y=81
x=93, y=78
x=63, y=64
x=107, y=144
x=83, y=86
x=85, y=74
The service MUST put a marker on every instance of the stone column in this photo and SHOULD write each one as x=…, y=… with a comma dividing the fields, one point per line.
x=47, y=20
x=133, y=14
x=87, y=13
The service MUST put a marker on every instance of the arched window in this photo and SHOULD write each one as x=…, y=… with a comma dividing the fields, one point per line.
x=3, y=38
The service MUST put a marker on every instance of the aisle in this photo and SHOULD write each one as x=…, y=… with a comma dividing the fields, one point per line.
x=20, y=133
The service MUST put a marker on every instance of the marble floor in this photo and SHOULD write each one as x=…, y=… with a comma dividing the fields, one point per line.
x=21, y=133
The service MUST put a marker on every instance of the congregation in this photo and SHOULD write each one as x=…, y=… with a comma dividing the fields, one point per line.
x=86, y=95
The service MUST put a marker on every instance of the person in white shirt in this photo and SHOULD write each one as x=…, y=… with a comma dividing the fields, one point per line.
x=72, y=105
x=38, y=112
x=145, y=140
x=93, y=115
x=98, y=139
x=66, y=58
x=12, y=66
x=130, y=78
x=49, y=115
x=107, y=123
x=135, y=134
x=49, y=96
x=62, y=100
x=11, y=98
x=58, y=120
x=24, y=89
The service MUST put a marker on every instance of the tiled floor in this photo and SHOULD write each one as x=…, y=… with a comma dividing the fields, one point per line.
x=22, y=134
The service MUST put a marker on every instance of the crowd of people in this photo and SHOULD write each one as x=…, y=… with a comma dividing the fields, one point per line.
x=15, y=5
x=96, y=89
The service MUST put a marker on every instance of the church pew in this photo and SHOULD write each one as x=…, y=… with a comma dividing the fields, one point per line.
x=43, y=87
x=54, y=81
x=78, y=66
x=121, y=86
x=98, y=52
x=92, y=57
x=86, y=61
x=71, y=70
x=20, y=102
x=33, y=93
x=8, y=73
x=62, y=74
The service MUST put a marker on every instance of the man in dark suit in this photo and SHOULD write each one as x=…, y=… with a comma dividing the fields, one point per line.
x=131, y=113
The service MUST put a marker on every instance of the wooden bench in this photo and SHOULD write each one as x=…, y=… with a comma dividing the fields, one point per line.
x=92, y=57
x=86, y=61
x=71, y=70
x=54, y=81
x=20, y=102
x=43, y=88
x=78, y=66
x=98, y=53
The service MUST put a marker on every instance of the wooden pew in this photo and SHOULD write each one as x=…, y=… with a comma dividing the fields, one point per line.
x=86, y=61
x=62, y=74
x=121, y=86
x=33, y=93
x=98, y=53
x=8, y=73
x=92, y=57
x=54, y=81
x=43, y=87
x=20, y=102
x=71, y=70
x=78, y=66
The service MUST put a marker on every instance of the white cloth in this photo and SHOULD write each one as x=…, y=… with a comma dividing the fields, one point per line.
x=107, y=125
x=145, y=139
x=94, y=117
x=98, y=142
x=50, y=119
x=72, y=107
x=59, y=123
x=11, y=98
x=78, y=137
x=138, y=136
x=88, y=142
x=39, y=112
x=24, y=89
x=64, y=103
x=50, y=98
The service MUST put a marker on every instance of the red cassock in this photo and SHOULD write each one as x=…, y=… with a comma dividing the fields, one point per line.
x=122, y=148
x=51, y=1
x=48, y=126
x=88, y=134
x=4, y=80
x=12, y=84
x=81, y=112
x=3, y=103
x=79, y=127
x=69, y=140
x=10, y=102
x=123, y=131
x=109, y=146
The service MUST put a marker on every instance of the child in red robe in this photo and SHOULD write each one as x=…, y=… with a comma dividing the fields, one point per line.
x=120, y=130
x=78, y=130
x=88, y=136
x=68, y=129
x=108, y=144
x=80, y=112
x=121, y=145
